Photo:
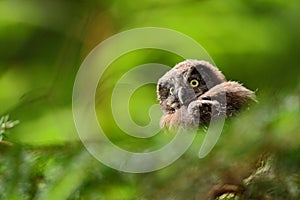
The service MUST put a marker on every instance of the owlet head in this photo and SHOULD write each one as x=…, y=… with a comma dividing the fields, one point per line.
x=185, y=82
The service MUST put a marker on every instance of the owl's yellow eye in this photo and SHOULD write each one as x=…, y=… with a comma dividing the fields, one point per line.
x=171, y=91
x=194, y=83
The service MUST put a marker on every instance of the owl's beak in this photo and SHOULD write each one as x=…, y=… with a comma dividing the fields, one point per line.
x=173, y=102
x=174, y=105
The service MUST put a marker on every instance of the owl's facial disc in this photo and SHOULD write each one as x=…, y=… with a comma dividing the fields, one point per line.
x=180, y=87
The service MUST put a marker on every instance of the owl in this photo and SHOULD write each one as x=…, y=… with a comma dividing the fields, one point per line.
x=194, y=92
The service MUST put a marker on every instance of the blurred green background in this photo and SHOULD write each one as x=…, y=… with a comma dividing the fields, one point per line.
x=42, y=45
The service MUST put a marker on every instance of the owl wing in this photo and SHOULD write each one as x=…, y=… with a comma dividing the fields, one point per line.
x=233, y=94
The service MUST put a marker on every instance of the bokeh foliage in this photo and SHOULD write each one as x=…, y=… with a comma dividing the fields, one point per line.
x=43, y=44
